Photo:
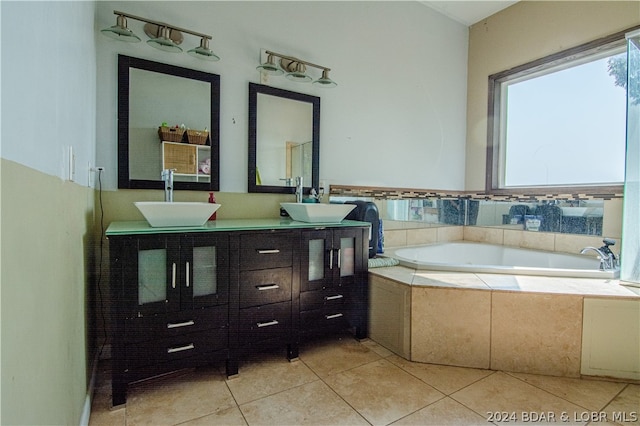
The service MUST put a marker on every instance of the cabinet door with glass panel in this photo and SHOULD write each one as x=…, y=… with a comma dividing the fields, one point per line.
x=329, y=258
x=170, y=273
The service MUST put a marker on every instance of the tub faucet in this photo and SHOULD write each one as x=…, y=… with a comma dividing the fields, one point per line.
x=299, y=189
x=167, y=177
x=608, y=260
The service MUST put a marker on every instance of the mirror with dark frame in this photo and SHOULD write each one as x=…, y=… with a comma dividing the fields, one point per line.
x=284, y=140
x=168, y=118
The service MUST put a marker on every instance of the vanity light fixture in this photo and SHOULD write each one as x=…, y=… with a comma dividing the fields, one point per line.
x=296, y=69
x=162, y=36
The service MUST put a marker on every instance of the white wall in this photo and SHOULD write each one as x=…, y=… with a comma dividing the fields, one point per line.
x=48, y=86
x=399, y=107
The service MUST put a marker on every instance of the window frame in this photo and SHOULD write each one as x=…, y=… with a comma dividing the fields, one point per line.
x=556, y=60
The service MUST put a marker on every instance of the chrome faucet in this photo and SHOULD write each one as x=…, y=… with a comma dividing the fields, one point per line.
x=299, y=189
x=608, y=260
x=167, y=177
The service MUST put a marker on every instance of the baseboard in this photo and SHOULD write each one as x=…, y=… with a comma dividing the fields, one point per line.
x=86, y=409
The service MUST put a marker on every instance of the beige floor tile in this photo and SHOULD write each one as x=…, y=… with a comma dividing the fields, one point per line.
x=380, y=350
x=382, y=392
x=230, y=416
x=625, y=408
x=332, y=355
x=590, y=394
x=502, y=393
x=101, y=412
x=444, y=412
x=268, y=375
x=446, y=379
x=178, y=399
x=310, y=404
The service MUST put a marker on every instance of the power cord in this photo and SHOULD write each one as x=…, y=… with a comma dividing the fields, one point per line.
x=100, y=257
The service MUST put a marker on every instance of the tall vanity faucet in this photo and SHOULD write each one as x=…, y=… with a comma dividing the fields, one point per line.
x=299, y=189
x=167, y=177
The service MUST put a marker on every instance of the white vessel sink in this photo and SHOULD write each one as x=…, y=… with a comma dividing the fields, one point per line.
x=317, y=212
x=159, y=213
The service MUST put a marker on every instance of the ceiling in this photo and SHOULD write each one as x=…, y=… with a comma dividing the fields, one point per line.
x=468, y=12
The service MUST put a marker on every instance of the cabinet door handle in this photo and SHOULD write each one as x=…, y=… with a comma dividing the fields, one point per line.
x=180, y=324
x=337, y=296
x=268, y=251
x=332, y=316
x=331, y=259
x=339, y=259
x=181, y=348
x=187, y=268
x=267, y=287
x=267, y=324
x=173, y=275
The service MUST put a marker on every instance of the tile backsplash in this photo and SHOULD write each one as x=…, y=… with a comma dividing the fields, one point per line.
x=566, y=243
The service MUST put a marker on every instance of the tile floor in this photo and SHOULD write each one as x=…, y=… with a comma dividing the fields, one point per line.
x=340, y=381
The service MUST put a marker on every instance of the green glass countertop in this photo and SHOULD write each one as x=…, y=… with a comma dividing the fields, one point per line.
x=142, y=227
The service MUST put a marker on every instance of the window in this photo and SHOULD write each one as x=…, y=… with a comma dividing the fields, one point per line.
x=560, y=122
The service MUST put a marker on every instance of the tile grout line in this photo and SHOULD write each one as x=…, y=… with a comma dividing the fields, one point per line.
x=334, y=391
x=609, y=401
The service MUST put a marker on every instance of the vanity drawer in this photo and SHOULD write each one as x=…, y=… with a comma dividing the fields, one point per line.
x=167, y=325
x=326, y=318
x=177, y=347
x=264, y=322
x=265, y=286
x=266, y=250
x=327, y=297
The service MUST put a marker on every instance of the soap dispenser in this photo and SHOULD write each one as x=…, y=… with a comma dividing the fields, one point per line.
x=212, y=199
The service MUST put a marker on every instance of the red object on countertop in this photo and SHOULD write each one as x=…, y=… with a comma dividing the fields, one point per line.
x=212, y=199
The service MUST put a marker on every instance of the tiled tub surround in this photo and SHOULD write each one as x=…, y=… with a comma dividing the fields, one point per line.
x=521, y=324
x=396, y=235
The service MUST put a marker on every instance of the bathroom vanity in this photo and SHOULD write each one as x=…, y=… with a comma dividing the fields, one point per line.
x=185, y=297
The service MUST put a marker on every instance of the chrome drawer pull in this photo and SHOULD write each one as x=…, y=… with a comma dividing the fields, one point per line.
x=173, y=275
x=332, y=316
x=267, y=287
x=181, y=348
x=181, y=324
x=267, y=324
x=268, y=251
x=337, y=296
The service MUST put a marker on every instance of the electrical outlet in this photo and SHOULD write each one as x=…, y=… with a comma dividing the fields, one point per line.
x=92, y=170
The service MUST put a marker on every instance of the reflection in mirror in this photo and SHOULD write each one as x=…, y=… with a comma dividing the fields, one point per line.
x=186, y=103
x=284, y=139
x=569, y=217
x=146, y=104
x=284, y=131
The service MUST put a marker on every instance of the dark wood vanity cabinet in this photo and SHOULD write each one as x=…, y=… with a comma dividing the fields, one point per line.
x=170, y=304
x=333, y=268
x=268, y=271
x=187, y=299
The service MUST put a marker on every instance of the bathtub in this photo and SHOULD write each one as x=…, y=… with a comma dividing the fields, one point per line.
x=464, y=256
